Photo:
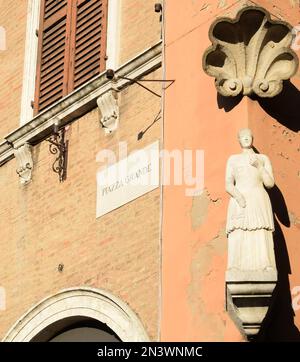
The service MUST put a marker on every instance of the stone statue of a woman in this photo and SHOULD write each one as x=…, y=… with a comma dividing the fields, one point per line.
x=250, y=223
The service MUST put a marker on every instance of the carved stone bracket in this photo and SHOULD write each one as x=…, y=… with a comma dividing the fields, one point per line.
x=250, y=54
x=108, y=106
x=248, y=298
x=24, y=163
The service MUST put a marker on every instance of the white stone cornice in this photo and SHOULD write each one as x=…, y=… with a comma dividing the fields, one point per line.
x=79, y=102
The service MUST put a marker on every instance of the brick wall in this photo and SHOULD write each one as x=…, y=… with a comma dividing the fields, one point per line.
x=13, y=20
x=47, y=223
x=140, y=27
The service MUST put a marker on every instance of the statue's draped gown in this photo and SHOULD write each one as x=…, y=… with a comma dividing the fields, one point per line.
x=249, y=229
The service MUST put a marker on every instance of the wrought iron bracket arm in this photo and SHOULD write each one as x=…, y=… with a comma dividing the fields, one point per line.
x=58, y=146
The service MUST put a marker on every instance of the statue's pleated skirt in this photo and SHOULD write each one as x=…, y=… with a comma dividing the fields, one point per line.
x=251, y=250
x=250, y=232
x=256, y=215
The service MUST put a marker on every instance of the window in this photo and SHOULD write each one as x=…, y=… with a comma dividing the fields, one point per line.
x=71, y=49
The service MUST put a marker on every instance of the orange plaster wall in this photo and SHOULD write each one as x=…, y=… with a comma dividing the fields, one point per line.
x=194, y=240
x=276, y=126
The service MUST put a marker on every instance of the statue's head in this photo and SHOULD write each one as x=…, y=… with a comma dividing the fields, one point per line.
x=245, y=138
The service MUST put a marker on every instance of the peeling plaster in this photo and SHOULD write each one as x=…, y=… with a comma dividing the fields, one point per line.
x=200, y=206
x=294, y=219
x=218, y=199
x=199, y=209
x=281, y=154
x=207, y=266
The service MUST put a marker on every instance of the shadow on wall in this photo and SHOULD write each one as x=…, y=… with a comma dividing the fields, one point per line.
x=284, y=107
x=228, y=103
x=279, y=323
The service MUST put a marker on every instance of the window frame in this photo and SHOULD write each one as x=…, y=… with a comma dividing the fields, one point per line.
x=31, y=52
x=69, y=12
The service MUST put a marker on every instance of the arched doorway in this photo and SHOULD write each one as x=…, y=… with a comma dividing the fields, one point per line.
x=77, y=329
x=79, y=314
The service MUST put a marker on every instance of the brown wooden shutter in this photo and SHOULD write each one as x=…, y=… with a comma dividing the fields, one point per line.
x=51, y=57
x=90, y=40
x=72, y=44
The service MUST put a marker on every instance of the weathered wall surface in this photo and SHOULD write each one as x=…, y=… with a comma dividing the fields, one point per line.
x=47, y=223
x=276, y=127
x=13, y=20
x=195, y=245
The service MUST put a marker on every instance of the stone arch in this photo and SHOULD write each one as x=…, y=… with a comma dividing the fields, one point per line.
x=79, y=302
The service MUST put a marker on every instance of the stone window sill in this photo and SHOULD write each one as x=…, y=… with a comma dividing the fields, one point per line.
x=79, y=102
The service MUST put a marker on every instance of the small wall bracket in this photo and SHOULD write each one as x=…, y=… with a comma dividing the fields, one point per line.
x=108, y=106
x=24, y=163
x=59, y=146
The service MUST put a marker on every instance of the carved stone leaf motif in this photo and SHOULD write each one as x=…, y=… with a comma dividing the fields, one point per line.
x=250, y=54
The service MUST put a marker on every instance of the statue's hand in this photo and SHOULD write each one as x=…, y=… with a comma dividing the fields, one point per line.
x=241, y=201
x=255, y=161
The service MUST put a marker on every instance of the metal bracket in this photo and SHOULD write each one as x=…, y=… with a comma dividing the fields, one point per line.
x=110, y=74
x=58, y=146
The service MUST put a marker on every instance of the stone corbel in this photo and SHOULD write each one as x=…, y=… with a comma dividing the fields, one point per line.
x=249, y=296
x=24, y=163
x=108, y=106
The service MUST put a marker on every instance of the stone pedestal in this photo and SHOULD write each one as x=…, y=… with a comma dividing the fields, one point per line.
x=249, y=297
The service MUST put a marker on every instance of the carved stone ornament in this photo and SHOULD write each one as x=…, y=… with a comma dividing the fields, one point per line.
x=251, y=274
x=249, y=297
x=24, y=163
x=108, y=105
x=250, y=54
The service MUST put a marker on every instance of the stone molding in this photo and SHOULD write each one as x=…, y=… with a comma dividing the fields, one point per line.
x=249, y=297
x=82, y=301
x=79, y=102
